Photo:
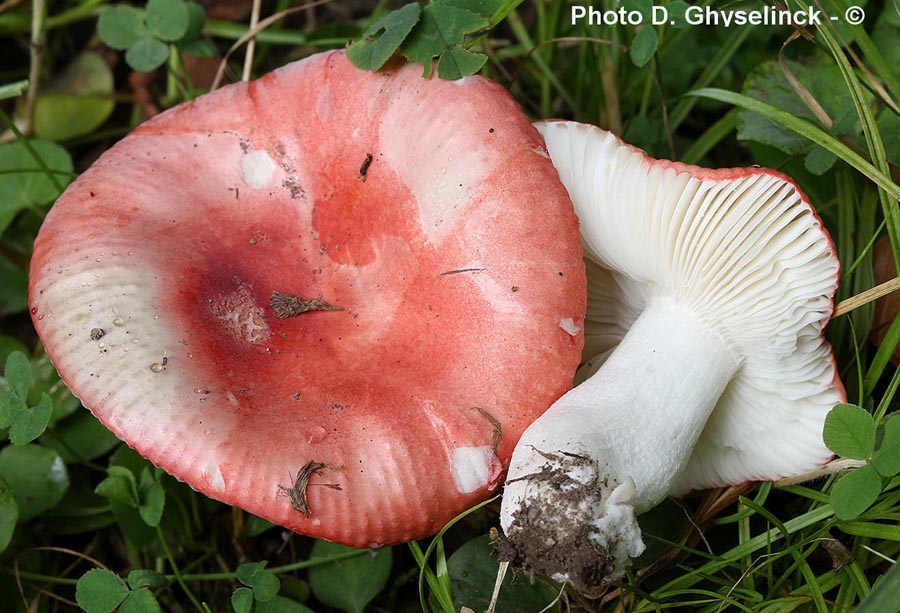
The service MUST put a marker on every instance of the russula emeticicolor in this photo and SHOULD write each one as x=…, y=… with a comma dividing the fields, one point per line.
x=708, y=294
x=332, y=297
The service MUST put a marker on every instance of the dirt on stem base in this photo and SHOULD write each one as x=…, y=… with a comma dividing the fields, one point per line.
x=554, y=534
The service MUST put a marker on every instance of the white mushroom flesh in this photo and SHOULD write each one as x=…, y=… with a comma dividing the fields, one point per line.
x=705, y=363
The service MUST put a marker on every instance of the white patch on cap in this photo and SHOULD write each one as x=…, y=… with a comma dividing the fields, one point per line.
x=444, y=168
x=498, y=295
x=471, y=467
x=257, y=168
x=325, y=105
x=541, y=152
x=71, y=305
x=569, y=326
x=216, y=480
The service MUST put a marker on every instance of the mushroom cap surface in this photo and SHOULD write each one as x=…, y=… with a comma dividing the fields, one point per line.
x=746, y=252
x=426, y=212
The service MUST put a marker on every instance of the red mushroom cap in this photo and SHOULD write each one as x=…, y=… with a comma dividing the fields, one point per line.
x=422, y=222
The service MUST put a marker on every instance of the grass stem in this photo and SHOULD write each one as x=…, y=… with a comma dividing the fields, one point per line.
x=176, y=573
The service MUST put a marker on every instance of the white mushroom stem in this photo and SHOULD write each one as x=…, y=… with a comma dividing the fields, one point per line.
x=612, y=447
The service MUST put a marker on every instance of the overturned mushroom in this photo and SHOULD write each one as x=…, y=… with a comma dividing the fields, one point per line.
x=275, y=325
x=709, y=291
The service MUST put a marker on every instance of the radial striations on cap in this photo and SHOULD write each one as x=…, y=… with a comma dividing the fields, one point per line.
x=358, y=279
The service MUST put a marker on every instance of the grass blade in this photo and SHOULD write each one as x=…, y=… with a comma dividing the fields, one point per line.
x=883, y=597
x=13, y=90
x=806, y=129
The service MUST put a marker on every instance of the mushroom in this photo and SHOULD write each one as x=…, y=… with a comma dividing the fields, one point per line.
x=708, y=294
x=331, y=297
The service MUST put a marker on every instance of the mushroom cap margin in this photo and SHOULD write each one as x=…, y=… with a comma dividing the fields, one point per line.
x=156, y=245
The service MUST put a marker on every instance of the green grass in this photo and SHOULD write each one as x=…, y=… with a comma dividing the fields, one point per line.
x=749, y=548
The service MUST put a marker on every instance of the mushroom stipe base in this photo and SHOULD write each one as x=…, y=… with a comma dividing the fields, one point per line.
x=541, y=540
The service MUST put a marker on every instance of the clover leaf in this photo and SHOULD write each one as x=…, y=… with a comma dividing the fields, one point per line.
x=437, y=32
x=850, y=431
x=146, y=36
x=25, y=422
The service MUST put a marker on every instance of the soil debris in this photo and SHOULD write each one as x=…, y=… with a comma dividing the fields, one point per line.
x=461, y=270
x=297, y=492
x=543, y=540
x=365, y=167
x=495, y=423
x=286, y=306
